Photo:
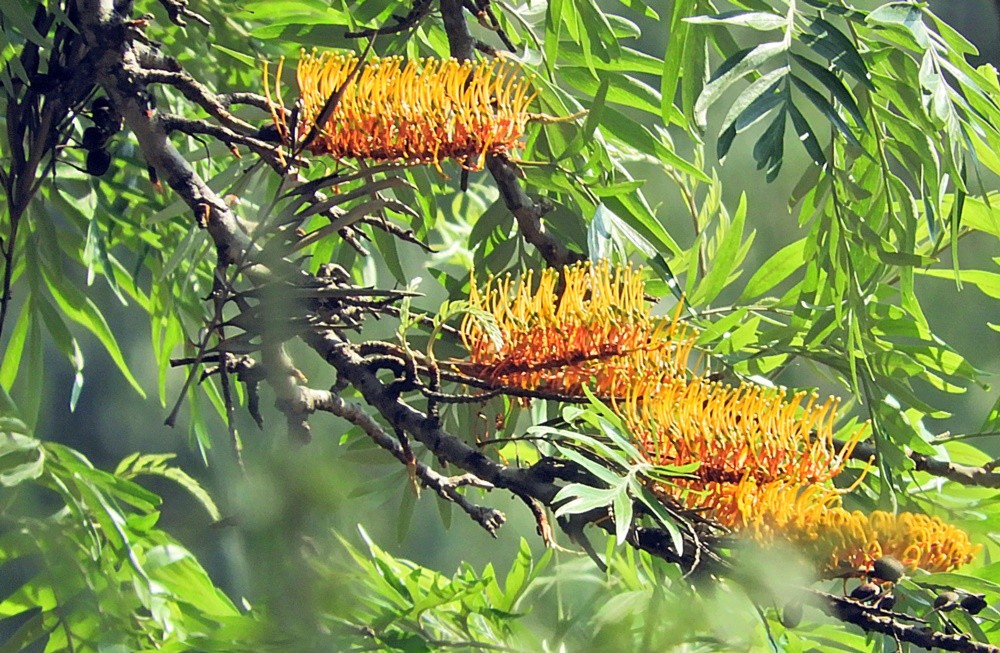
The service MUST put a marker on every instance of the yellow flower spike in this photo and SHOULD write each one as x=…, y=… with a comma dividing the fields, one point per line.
x=598, y=332
x=737, y=432
x=811, y=517
x=416, y=111
x=766, y=459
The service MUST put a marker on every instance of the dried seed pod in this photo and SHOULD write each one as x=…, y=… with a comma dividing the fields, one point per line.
x=973, y=603
x=98, y=162
x=791, y=615
x=94, y=138
x=886, y=602
x=105, y=117
x=44, y=83
x=946, y=601
x=889, y=569
x=269, y=134
x=866, y=591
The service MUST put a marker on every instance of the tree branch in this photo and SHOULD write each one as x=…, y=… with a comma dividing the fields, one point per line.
x=963, y=474
x=178, y=11
x=874, y=620
x=447, y=488
x=191, y=126
x=118, y=74
x=196, y=92
x=527, y=212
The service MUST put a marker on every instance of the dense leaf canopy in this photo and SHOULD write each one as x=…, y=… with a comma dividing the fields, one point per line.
x=690, y=305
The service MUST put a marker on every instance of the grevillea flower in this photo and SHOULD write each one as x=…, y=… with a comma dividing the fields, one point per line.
x=811, y=518
x=747, y=431
x=765, y=459
x=419, y=111
x=766, y=462
x=598, y=331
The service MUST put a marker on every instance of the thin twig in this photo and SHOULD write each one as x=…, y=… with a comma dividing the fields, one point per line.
x=527, y=212
x=873, y=620
x=963, y=474
x=447, y=488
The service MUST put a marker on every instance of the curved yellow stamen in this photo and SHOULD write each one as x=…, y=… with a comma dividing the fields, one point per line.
x=598, y=332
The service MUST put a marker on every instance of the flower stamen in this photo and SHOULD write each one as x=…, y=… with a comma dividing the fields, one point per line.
x=418, y=111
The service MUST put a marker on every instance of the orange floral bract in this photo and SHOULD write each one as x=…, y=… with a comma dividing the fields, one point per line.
x=419, y=111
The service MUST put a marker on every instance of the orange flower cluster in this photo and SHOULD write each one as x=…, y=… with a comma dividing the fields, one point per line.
x=766, y=460
x=598, y=332
x=747, y=431
x=811, y=517
x=416, y=111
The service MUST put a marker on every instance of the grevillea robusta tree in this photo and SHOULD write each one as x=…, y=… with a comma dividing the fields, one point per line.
x=501, y=258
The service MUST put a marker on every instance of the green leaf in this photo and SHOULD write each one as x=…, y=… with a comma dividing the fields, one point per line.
x=987, y=282
x=156, y=465
x=603, y=410
x=585, y=135
x=769, y=150
x=66, y=344
x=518, y=577
x=830, y=43
x=31, y=631
x=634, y=135
x=635, y=212
x=965, y=581
x=622, y=512
x=177, y=570
x=754, y=103
x=622, y=89
x=577, y=498
x=12, y=355
x=720, y=327
x=835, y=86
x=827, y=110
x=663, y=518
x=806, y=136
x=776, y=269
x=14, y=13
x=607, y=234
x=640, y=6
x=244, y=59
x=757, y=20
x=904, y=15
x=675, y=58
x=596, y=23
x=736, y=67
x=592, y=466
x=82, y=310
x=634, y=61
x=554, y=13
x=724, y=260
x=21, y=459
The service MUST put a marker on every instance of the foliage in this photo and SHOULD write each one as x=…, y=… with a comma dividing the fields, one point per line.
x=866, y=121
x=96, y=572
